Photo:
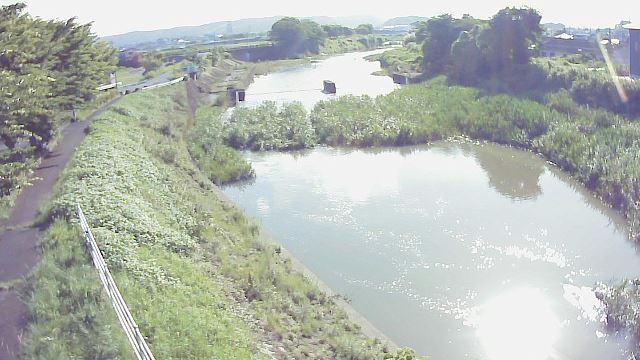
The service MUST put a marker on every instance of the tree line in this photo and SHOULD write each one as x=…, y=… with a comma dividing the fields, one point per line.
x=293, y=36
x=468, y=49
x=499, y=55
x=47, y=67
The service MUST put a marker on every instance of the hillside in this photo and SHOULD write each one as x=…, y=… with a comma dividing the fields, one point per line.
x=404, y=20
x=257, y=25
x=252, y=25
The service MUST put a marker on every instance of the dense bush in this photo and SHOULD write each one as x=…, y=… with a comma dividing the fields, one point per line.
x=269, y=127
x=432, y=111
x=221, y=163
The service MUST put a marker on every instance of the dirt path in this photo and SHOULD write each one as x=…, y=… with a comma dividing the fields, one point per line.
x=19, y=245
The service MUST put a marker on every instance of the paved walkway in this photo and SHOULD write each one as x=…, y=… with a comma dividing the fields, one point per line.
x=20, y=250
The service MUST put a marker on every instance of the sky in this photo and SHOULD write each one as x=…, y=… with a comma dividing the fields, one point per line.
x=119, y=16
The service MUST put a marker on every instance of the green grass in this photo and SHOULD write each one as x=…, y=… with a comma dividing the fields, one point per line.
x=71, y=316
x=220, y=163
x=405, y=59
x=128, y=75
x=199, y=277
x=269, y=127
x=174, y=69
x=100, y=99
x=16, y=171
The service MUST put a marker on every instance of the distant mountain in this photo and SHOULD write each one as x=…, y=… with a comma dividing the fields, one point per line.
x=404, y=20
x=349, y=21
x=257, y=25
x=254, y=25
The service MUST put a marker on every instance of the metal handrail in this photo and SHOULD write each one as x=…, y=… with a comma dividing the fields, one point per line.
x=140, y=347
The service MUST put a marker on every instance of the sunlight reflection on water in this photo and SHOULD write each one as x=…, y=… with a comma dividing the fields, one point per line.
x=518, y=324
x=446, y=251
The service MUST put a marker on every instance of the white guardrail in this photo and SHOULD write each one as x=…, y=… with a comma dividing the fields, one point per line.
x=140, y=347
x=174, y=81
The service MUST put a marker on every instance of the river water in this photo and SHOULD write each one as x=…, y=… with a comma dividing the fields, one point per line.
x=351, y=73
x=459, y=250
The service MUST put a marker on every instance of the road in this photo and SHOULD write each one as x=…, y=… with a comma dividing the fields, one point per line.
x=20, y=249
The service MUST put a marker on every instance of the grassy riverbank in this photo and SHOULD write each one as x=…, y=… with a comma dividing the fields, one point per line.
x=199, y=277
x=344, y=44
x=401, y=60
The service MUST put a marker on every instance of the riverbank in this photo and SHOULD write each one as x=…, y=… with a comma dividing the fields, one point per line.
x=186, y=261
x=365, y=325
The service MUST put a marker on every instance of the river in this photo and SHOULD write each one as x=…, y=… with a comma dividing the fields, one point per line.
x=351, y=73
x=459, y=250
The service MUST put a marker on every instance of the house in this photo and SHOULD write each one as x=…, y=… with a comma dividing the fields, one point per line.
x=634, y=49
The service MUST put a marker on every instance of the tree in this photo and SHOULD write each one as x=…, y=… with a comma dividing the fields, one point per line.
x=509, y=38
x=314, y=36
x=289, y=35
x=466, y=59
x=46, y=67
x=216, y=56
x=294, y=37
x=438, y=34
x=151, y=61
x=364, y=29
x=468, y=48
x=337, y=30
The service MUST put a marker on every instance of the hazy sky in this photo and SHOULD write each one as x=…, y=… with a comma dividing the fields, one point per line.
x=120, y=16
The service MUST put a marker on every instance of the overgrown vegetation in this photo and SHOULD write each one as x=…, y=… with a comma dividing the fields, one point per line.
x=294, y=37
x=401, y=60
x=199, y=277
x=268, y=127
x=622, y=309
x=71, y=314
x=219, y=162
